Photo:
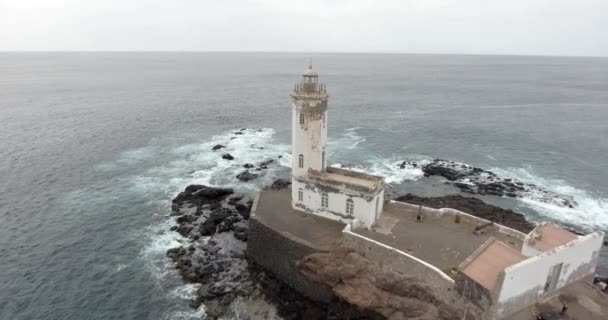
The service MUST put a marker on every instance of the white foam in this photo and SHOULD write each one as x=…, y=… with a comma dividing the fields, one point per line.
x=390, y=169
x=590, y=211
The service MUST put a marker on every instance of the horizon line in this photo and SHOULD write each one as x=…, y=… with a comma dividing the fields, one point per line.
x=304, y=52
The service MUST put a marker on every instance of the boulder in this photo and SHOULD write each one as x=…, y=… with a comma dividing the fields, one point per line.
x=246, y=176
x=227, y=156
x=217, y=147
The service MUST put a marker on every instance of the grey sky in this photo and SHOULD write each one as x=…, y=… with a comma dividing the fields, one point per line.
x=540, y=27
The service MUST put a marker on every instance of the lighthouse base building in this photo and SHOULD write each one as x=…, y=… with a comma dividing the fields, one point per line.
x=338, y=194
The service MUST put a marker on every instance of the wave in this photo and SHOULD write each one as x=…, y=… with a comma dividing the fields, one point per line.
x=196, y=163
x=589, y=213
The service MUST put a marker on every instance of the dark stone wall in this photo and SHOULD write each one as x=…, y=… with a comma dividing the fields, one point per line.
x=279, y=254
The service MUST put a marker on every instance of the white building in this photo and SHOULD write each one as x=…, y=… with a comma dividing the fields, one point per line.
x=333, y=193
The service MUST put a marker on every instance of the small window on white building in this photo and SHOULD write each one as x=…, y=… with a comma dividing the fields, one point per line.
x=302, y=120
x=324, y=200
x=301, y=161
x=350, y=206
x=300, y=195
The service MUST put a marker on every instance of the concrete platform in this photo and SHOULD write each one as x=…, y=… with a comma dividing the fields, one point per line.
x=440, y=242
x=273, y=208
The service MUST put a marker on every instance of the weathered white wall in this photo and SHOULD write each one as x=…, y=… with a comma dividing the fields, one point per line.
x=364, y=210
x=309, y=139
x=529, y=251
x=524, y=283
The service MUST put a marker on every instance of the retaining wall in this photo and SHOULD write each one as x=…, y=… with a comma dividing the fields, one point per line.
x=441, y=284
x=279, y=253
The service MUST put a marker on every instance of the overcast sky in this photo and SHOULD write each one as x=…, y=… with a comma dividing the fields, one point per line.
x=538, y=27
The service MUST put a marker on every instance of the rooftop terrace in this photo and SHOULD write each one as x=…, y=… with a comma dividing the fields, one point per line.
x=439, y=241
x=358, y=180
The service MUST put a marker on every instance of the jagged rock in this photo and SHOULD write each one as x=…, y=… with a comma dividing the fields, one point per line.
x=474, y=180
x=246, y=176
x=223, y=272
x=244, y=209
x=217, y=147
x=227, y=156
x=248, y=166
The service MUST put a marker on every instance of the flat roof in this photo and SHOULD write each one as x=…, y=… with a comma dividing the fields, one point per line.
x=487, y=265
x=436, y=240
x=547, y=236
x=348, y=177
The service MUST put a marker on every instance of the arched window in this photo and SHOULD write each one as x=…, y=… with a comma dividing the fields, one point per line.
x=302, y=120
x=350, y=206
x=300, y=195
x=324, y=200
x=301, y=161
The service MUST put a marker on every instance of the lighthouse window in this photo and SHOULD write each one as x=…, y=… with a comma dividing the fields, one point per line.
x=300, y=195
x=350, y=206
x=324, y=200
x=301, y=119
x=301, y=161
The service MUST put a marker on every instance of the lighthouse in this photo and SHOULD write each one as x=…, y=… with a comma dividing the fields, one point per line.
x=334, y=193
x=309, y=128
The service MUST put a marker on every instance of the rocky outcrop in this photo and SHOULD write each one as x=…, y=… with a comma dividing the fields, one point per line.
x=227, y=156
x=475, y=180
x=246, y=176
x=279, y=184
x=473, y=206
x=215, y=225
x=375, y=289
x=217, y=147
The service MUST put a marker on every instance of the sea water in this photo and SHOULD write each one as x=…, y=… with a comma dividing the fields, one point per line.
x=93, y=146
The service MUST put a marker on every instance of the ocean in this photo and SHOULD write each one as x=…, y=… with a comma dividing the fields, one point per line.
x=95, y=145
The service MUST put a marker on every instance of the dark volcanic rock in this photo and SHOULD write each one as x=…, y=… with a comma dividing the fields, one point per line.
x=248, y=166
x=474, y=207
x=219, y=265
x=227, y=156
x=474, y=180
x=217, y=147
x=198, y=194
x=246, y=176
x=279, y=184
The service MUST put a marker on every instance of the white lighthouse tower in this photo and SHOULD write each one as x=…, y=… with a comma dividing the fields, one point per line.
x=309, y=129
x=333, y=193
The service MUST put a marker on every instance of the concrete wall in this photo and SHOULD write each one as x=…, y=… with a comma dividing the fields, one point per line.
x=364, y=210
x=523, y=283
x=450, y=214
x=310, y=139
x=279, y=254
x=440, y=283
